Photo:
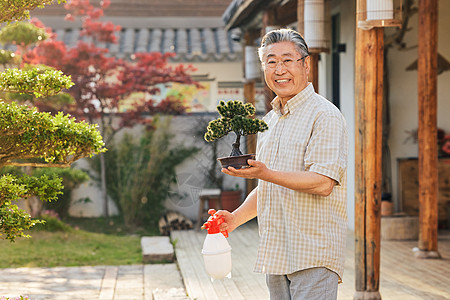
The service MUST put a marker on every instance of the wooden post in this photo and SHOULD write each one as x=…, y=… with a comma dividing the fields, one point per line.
x=314, y=71
x=427, y=132
x=301, y=16
x=268, y=19
x=249, y=96
x=368, y=155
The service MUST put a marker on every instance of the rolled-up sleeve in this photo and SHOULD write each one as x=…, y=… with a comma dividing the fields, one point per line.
x=326, y=152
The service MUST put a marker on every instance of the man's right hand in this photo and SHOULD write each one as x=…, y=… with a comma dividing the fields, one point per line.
x=230, y=221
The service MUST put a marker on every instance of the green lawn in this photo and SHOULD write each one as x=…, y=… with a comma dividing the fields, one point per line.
x=70, y=248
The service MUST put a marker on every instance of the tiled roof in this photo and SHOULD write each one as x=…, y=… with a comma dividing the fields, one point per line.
x=193, y=39
x=193, y=29
x=150, y=8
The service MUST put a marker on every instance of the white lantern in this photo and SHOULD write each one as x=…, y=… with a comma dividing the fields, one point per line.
x=314, y=24
x=380, y=13
x=380, y=9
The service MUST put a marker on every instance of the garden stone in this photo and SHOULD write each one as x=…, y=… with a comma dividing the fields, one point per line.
x=157, y=249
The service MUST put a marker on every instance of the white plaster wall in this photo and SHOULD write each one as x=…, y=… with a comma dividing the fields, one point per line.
x=404, y=95
x=347, y=90
x=190, y=175
x=346, y=9
x=223, y=71
x=91, y=191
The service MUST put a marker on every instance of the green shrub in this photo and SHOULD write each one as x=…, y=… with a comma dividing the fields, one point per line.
x=71, y=178
x=51, y=223
x=13, y=221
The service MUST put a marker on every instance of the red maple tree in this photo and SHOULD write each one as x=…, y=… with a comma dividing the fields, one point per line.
x=104, y=83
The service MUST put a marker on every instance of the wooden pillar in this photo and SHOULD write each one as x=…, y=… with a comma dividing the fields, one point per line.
x=368, y=155
x=427, y=132
x=301, y=16
x=314, y=71
x=268, y=19
x=249, y=96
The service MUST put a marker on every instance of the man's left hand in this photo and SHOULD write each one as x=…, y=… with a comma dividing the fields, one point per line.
x=256, y=169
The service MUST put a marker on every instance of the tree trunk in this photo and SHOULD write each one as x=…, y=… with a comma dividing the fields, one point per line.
x=103, y=185
x=237, y=143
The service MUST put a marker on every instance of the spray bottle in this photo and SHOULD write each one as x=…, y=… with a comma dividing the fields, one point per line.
x=216, y=250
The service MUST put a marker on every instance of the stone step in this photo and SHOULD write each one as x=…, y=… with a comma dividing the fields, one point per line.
x=156, y=249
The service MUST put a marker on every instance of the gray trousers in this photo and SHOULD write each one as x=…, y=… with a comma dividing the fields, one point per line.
x=309, y=284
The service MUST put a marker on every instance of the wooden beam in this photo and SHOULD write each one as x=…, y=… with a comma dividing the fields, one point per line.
x=286, y=14
x=427, y=132
x=368, y=155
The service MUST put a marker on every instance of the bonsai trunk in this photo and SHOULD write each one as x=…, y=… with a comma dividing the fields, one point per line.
x=103, y=185
x=236, y=151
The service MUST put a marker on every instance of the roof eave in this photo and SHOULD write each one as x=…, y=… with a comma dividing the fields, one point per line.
x=241, y=12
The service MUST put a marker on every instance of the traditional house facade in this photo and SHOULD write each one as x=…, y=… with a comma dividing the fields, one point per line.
x=194, y=31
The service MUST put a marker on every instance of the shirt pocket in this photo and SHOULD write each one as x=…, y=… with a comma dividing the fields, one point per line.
x=291, y=154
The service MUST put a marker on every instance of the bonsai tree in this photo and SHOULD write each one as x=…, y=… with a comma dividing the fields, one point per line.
x=31, y=138
x=237, y=117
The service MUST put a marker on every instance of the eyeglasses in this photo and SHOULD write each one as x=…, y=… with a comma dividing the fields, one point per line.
x=287, y=63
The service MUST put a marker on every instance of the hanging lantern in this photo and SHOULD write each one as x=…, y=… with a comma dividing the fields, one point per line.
x=315, y=25
x=380, y=13
x=252, y=64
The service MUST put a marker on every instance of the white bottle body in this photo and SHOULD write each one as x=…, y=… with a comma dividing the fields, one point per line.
x=217, y=256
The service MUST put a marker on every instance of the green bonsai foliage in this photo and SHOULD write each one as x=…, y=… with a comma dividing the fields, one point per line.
x=19, y=9
x=23, y=34
x=42, y=83
x=59, y=140
x=29, y=137
x=8, y=57
x=13, y=221
x=237, y=117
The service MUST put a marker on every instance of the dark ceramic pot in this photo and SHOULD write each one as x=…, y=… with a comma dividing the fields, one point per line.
x=236, y=162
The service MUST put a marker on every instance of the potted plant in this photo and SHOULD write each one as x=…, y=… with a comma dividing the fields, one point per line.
x=237, y=117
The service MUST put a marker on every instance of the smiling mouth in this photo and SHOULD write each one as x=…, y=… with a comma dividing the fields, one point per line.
x=282, y=80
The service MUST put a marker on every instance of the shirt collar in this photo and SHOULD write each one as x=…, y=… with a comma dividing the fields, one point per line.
x=294, y=102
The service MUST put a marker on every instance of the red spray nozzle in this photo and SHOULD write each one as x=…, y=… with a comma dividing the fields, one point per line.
x=213, y=223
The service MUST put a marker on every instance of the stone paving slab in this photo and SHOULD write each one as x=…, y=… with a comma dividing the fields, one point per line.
x=157, y=249
x=133, y=282
x=164, y=282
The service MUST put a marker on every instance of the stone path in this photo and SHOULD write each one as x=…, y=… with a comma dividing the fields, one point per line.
x=134, y=282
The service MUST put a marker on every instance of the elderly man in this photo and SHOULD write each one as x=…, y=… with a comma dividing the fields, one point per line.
x=301, y=164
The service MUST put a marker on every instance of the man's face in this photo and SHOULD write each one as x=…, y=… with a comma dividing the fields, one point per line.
x=285, y=72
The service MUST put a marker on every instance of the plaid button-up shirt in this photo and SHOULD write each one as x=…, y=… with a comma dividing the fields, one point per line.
x=299, y=230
